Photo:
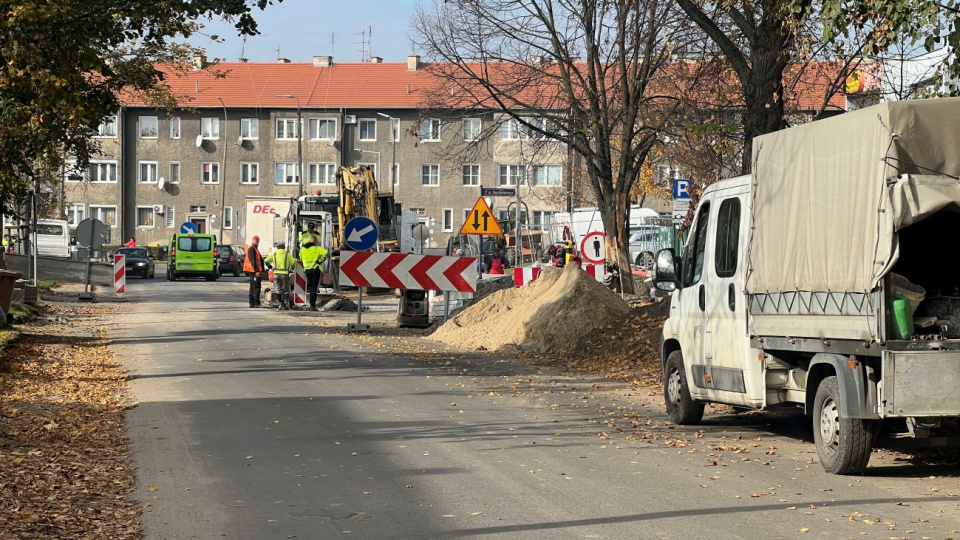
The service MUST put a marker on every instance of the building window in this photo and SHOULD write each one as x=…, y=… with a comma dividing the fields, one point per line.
x=287, y=173
x=250, y=128
x=367, y=129
x=169, y=219
x=470, y=175
x=209, y=173
x=144, y=216
x=174, y=172
x=175, y=127
x=210, y=128
x=227, y=217
x=103, y=171
x=322, y=128
x=419, y=211
x=542, y=219
x=430, y=130
x=106, y=214
x=447, y=219
x=148, y=127
x=395, y=173
x=75, y=214
x=71, y=173
x=373, y=167
x=322, y=174
x=249, y=173
x=547, y=175
x=197, y=209
x=430, y=175
x=471, y=129
x=108, y=128
x=148, y=172
x=512, y=175
x=395, y=129
x=509, y=129
x=287, y=129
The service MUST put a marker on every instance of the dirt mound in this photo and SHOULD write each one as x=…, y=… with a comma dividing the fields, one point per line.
x=557, y=312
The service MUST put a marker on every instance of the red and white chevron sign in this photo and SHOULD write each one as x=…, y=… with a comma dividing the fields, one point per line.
x=404, y=271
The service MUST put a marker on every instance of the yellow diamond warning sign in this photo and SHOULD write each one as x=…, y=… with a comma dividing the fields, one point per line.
x=480, y=220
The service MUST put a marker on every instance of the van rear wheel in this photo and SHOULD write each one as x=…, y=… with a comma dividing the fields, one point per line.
x=843, y=444
x=681, y=408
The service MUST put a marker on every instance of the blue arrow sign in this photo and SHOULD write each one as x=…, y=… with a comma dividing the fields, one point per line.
x=681, y=188
x=361, y=233
x=188, y=228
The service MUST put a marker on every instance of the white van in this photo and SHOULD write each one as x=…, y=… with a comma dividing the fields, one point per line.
x=53, y=238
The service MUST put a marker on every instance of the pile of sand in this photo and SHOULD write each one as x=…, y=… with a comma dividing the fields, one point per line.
x=558, y=312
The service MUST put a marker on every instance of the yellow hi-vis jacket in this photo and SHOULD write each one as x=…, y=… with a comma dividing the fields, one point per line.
x=281, y=260
x=312, y=256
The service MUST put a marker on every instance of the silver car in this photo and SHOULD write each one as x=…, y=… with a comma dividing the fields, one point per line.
x=644, y=244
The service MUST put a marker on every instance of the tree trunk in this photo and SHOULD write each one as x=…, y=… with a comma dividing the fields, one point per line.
x=763, y=89
x=614, y=211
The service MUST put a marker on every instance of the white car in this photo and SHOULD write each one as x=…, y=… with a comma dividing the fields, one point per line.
x=644, y=244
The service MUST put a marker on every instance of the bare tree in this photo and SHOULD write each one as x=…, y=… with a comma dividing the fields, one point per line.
x=592, y=75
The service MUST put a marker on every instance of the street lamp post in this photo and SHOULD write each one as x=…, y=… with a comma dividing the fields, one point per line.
x=223, y=175
x=299, y=143
x=393, y=164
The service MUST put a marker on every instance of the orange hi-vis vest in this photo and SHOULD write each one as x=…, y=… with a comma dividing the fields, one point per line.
x=248, y=265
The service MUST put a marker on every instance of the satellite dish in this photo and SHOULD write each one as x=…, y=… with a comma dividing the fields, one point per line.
x=161, y=182
x=199, y=141
x=240, y=140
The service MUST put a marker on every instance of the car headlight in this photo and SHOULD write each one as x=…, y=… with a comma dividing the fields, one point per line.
x=141, y=264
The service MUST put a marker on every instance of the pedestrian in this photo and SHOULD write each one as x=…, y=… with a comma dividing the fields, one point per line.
x=497, y=262
x=312, y=256
x=282, y=262
x=309, y=233
x=253, y=268
x=131, y=243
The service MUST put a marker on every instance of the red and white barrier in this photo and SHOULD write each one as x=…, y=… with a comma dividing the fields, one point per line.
x=405, y=271
x=299, y=285
x=119, y=275
x=522, y=276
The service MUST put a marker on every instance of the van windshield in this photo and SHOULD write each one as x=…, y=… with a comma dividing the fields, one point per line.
x=45, y=228
x=187, y=243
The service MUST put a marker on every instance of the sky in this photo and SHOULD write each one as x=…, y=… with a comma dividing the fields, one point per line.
x=303, y=28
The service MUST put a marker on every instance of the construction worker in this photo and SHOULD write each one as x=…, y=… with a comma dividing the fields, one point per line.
x=312, y=256
x=253, y=267
x=306, y=235
x=282, y=263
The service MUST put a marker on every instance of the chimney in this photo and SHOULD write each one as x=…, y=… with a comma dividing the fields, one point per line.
x=376, y=60
x=199, y=60
x=242, y=60
x=283, y=60
x=322, y=61
x=413, y=62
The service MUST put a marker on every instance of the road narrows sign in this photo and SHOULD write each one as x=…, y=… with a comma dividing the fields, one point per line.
x=481, y=220
x=407, y=271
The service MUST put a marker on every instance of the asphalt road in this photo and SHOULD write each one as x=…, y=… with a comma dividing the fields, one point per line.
x=258, y=424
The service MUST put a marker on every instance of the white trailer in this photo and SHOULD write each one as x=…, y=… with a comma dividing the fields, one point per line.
x=265, y=217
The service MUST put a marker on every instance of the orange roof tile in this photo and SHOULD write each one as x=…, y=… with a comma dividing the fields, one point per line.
x=247, y=84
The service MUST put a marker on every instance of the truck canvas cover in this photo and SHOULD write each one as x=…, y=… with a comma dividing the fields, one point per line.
x=830, y=196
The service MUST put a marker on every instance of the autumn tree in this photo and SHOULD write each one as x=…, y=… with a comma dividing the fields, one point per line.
x=64, y=65
x=587, y=74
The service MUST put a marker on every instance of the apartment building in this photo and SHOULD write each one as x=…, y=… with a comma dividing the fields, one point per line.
x=235, y=135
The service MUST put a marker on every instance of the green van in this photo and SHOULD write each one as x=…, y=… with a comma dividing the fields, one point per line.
x=193, y=255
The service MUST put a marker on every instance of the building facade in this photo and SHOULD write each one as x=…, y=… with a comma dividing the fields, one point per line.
x=235, y=136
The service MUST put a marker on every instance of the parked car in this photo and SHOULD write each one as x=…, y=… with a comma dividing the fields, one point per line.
x=138, y=261
x=231, y=259
x=193, y=255
x=643, y=244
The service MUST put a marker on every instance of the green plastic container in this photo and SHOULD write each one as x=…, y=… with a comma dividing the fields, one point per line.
x=902, y=317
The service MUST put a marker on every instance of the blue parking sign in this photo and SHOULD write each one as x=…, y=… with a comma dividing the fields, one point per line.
x=681, y=188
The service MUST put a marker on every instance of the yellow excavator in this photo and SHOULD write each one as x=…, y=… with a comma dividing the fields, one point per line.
x=357, y=195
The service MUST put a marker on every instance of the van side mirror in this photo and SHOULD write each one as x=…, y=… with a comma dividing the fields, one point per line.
x=665, y=275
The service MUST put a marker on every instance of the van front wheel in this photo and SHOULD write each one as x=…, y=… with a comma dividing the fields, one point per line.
x=843, y=444
x=680, y=406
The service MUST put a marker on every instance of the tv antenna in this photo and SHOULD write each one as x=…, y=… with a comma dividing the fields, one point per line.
x=278, y=52
x=365, y=37
x=243, y=47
